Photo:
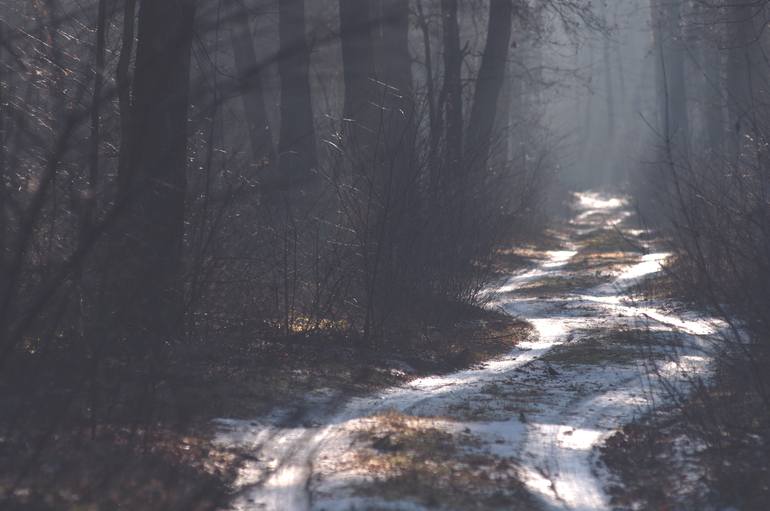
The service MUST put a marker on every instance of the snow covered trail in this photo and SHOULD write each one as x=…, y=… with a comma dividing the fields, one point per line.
x=548, y=404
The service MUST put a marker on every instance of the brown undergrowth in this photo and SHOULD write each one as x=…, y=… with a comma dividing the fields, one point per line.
x=710, y=451
x=710, y=448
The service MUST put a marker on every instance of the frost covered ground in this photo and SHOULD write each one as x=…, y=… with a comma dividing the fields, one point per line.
x=521, y=431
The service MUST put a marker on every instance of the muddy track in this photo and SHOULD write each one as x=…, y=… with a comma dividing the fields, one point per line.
x=547, y=405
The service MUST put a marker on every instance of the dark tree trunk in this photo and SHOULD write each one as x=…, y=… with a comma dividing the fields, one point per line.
x=588, y=118
x=745, y=59
x=490, y=80
x=123, y=80
x=453, y=88
x=619, y=59
x=713, y=94
x=3, y=159
x=96, y=107
x=430, y=92
x=674, y=123
x=297, y=145
x=394, y=69
x=393, y=59
x=152, y=226
x=608, y=83
x=360, y=111
x=249, y=77
x=502, y=153
x=679, y=121
x=518, y=113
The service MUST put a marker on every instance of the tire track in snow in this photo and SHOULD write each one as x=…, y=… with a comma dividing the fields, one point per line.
x=296, y=464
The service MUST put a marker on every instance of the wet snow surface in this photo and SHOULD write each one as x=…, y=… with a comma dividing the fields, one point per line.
x=535, y=406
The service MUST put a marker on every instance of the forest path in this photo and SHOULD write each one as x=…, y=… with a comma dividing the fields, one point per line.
x=521, y=431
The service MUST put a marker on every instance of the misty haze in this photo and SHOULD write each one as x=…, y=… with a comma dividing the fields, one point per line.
x=348, y=255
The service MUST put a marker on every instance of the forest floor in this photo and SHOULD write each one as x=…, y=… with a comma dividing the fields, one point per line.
x=521, y=431
x=497, y=408
x=56, y=454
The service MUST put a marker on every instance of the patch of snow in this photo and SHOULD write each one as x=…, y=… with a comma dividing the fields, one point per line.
x=553, y=435
x=595, y=201
x=558, y=258
x=650, y=263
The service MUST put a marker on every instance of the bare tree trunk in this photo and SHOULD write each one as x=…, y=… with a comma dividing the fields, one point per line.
x=3, y=158
x=671, y=81
x=516, y=116
x=249, y=76
x=588, y=117
x=297, y=145
x=394, y=63
x=124, y=92
x=713, y=95
x=453, y=87
x=490, y=80
x=677, y=90
x=744, y=60
x=502, y=154
x=153, y=223
x=96, y=105
x=90, y=201
x=393, y=59
x=619, y=59
x=362, y=117
x=430, y=86
x=397, y=159
x=394, y=69
x=608, y=85
x=359, y=72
